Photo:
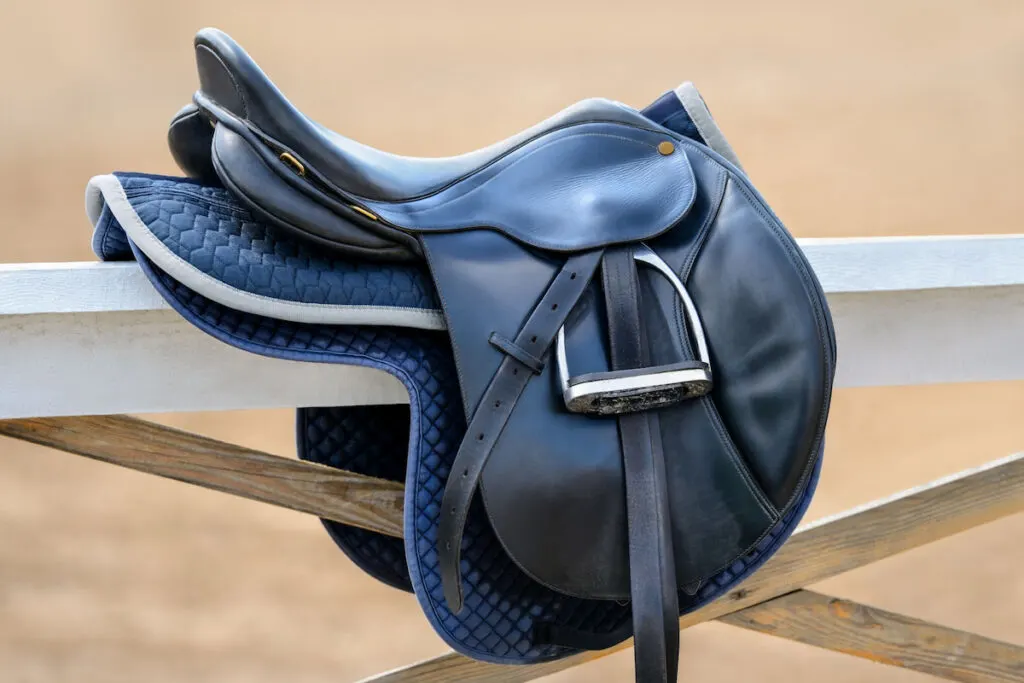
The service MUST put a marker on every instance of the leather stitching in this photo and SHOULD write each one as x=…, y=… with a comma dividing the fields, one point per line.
x=799, y=261
x=739, y=462
x=824, y=329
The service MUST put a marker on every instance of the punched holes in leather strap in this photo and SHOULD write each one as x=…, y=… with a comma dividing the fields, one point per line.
x=510, y=348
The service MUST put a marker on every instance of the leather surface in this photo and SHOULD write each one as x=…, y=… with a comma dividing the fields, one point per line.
x=652, y=573
x=509, y=617
x=575, y=188
x=498, y=403
x=578, y=460
x=621, y=192
x=612, y=177
x=232, y=79
x=571, y=453
x=757, y=336
x=252, y=178
x=189, y=138
x=577, y=514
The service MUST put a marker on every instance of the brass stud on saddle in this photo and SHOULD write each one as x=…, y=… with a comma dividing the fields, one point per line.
x=294, y=163
x=665, y=148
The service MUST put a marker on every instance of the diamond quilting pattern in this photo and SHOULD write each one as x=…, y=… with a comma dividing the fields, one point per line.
x=207, y=228
x=371, y=440
x=497, y=625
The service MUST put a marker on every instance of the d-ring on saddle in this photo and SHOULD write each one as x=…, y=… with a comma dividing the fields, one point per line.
x=624, y=415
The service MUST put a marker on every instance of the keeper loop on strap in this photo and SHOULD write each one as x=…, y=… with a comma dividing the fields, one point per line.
x=510, y=348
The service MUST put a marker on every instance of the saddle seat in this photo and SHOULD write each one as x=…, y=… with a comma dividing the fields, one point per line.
x=304, y=176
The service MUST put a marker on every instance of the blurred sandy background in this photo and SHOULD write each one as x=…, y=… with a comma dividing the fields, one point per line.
x=889, y=117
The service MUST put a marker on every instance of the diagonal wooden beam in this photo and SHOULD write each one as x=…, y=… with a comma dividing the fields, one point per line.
x=366, y=502
x=885, y=637
x=818, y=551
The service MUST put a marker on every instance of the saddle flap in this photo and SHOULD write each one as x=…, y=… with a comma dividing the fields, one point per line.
x=553, y=483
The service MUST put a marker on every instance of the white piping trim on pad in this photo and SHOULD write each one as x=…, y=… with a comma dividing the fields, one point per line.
x=698, y=111
x=108, y=189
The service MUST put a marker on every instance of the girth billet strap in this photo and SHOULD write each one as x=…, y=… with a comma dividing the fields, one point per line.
x=652, y=574
x=520, y=364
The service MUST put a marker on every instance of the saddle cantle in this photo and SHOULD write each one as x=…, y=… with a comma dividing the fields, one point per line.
x=635, y=371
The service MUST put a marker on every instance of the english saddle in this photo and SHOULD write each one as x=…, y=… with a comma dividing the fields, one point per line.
x=619, y=362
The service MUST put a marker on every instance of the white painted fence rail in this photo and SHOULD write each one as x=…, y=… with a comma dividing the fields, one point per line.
x=95, y=338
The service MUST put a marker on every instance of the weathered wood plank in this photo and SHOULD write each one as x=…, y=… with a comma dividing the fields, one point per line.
x=816, y=552
x=367, y=502
x=884, y=637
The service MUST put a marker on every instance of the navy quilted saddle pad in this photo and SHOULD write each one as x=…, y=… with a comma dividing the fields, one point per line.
x=252, y=286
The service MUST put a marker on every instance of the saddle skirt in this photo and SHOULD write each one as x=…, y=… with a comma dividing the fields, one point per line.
x=619, y=363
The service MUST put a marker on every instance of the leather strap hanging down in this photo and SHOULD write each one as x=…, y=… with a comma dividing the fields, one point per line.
x=652, y=574
x=521, y=362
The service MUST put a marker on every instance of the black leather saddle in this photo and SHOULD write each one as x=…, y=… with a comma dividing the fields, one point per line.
x=644, y=355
